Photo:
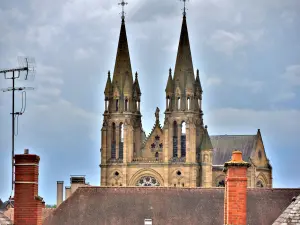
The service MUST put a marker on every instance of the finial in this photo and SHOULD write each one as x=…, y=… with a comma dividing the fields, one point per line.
x=205, y=126
x=170, y=72
x=109, y=74
x=184, y=8
x=157, y=114
x=122, y=3
x=136, y=75
x=197, y=72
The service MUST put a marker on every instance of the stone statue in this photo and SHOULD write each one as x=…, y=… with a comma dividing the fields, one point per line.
x=157, y=114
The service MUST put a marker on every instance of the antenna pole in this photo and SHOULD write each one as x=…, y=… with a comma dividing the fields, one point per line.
x=27, y=65
x=13, y=131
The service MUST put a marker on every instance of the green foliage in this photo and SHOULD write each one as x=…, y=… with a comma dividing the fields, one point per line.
x=50, y=206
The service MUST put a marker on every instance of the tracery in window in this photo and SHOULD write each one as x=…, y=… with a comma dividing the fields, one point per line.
x=148, y=181
x=259, y=184
x=221, y=183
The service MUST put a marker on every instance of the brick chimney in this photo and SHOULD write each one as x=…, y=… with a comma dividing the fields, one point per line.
x=235, y=200
x=28, y=205
x=60, y=192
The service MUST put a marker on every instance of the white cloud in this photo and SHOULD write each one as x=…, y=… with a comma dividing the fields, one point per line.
x=227, y=42
x=288, y=16
x=213, y=81
x=292, y=75
x=226, y=120
x=84, y=53
x=43, y=35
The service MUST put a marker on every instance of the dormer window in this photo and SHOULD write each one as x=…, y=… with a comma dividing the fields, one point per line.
x=168, y=102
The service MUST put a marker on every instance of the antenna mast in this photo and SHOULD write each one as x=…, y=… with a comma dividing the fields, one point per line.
x=28, y=65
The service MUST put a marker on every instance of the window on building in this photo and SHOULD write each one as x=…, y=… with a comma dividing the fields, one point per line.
x=221, y=183
x=183, y=140
x=113, y=141
x=188, y=103
x=175, y=133
x=178, y=103
x=148, y=181
x=117, y=105
x=168, y=102
x=126, y=104
x=148, y=222
x=121, y=141
x=259, y=184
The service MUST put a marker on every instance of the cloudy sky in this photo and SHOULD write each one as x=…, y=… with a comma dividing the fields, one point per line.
x=248, y=54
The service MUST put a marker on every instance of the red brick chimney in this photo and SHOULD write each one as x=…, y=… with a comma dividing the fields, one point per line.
x=28, y=205
x=235, y=201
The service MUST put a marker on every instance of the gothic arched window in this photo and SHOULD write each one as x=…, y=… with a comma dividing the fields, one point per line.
x=175, y=139
x=117, y=105
x=121, y=143
x=188, y=103
x=126, y=104
x=221, y=183
x=259, y=184
x=148, y=181
x=183, y=139
x=178, y=103
x=113, y=141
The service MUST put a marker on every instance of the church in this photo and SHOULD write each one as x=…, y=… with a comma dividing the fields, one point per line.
x=174, y=175
x=178, y=152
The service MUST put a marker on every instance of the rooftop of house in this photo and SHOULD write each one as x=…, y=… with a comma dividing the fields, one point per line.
x=4, y=220
x=223, y=145
x=132, y=205
x=291, y=215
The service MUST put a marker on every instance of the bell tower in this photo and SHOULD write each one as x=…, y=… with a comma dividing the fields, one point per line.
x=122, y=126
x=184, y=131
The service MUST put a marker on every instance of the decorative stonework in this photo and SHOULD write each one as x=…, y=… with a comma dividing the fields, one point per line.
x=148, y=181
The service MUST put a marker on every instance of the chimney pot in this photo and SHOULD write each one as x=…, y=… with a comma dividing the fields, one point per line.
x=237, y=156
x=26, y=151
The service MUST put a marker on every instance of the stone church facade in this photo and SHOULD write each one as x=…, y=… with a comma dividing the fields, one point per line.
x=178, y=153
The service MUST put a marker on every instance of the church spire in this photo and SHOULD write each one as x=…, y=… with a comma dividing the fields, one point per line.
x=184, y=63
x=123, y=64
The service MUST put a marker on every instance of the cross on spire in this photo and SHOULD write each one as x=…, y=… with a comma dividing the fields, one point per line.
x=122, y=3
x=184, y=7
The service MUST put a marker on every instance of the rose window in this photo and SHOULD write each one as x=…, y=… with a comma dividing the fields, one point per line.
x=148, y=181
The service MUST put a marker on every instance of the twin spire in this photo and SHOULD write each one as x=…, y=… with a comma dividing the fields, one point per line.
x=183, y=75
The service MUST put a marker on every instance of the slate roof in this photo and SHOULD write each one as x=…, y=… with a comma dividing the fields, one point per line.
x=6, y=203
x=223, y=145
x=164, y=205
x=4, y=220
x=291, y=215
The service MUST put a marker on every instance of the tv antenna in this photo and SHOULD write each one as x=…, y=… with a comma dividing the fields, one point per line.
x=28, y=65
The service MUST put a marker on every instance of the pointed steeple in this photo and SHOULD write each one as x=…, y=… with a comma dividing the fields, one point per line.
x=206, y=142
x=123, y=64
x=127, y=85
x=198, y=83
x=136, y=85
x=184, y=63
x=108, y=87
x=169, y=88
